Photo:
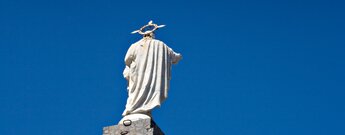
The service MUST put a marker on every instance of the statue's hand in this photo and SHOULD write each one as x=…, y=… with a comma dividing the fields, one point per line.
x=126, y=73
x=176, y=58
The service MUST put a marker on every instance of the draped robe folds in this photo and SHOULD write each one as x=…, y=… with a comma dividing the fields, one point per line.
x=148, y=67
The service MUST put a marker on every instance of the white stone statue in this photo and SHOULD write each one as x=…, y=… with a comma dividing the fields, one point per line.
x=148, y=72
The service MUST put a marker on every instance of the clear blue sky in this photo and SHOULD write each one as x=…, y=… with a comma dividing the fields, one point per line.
x=249, y=68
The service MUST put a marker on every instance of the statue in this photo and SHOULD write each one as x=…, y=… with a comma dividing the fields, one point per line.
x=148, y=72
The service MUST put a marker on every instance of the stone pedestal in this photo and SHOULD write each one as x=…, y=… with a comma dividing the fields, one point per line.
x=135, y=127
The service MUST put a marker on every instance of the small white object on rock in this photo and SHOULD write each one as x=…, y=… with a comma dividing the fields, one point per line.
x=132, y=118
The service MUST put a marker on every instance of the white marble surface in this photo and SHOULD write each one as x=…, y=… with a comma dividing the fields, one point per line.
x=148, y=71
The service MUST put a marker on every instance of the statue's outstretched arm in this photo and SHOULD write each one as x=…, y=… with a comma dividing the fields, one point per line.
x=175, y=57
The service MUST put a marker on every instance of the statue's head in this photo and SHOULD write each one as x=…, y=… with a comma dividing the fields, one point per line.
x=148, y=30
x=149, y=35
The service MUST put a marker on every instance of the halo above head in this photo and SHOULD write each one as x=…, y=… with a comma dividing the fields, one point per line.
x=142, y=31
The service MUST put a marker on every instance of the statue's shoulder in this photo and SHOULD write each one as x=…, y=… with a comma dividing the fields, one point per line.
x=138, y=42
x=135, y=44
x=158, y=41
x=142, y=41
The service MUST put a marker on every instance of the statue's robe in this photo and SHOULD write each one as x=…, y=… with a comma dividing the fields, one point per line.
x=148, y=67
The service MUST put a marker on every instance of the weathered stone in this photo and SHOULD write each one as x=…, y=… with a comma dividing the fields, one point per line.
x=148, y=72
x=138, y=127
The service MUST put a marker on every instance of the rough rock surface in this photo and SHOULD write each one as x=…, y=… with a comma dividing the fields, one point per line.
x=138, y=127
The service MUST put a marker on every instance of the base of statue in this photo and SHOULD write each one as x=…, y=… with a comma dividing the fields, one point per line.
x=142, y=126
